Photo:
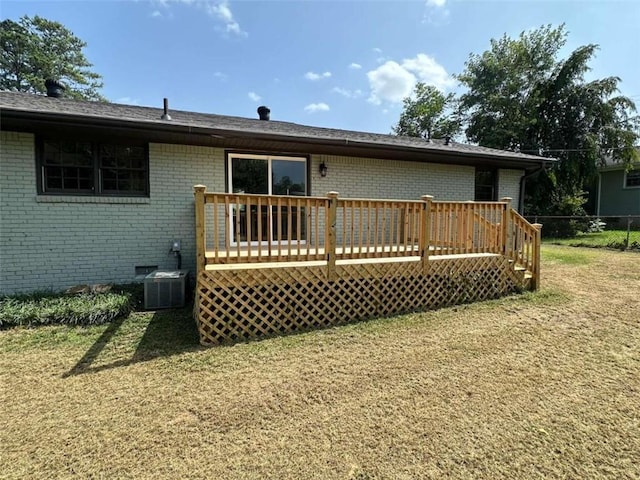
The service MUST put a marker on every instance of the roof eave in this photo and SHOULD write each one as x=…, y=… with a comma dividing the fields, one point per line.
x=209, y=135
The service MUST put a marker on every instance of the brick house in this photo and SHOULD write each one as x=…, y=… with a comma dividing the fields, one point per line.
x=97, y=192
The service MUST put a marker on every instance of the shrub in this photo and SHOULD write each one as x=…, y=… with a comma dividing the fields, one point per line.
x=47, y=308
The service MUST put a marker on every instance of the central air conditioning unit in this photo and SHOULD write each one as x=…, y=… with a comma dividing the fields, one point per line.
x=165, y=289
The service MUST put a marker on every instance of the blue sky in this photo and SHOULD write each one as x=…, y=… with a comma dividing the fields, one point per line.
x=340, y=64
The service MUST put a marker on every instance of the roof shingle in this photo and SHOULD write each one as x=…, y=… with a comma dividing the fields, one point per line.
x=39, y=104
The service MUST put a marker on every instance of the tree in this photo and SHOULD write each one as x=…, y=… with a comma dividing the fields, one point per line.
x=521, y=96
x=428, y=115
x=34, y=49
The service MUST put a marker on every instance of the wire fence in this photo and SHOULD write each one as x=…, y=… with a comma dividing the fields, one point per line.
x=620, y=232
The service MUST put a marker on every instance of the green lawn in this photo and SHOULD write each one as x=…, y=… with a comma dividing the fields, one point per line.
x=608, y=239
x=539, y=385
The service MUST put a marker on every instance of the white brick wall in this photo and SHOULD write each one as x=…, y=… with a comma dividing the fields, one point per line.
x=391, y=179
x=509, y=185
x=53, y=242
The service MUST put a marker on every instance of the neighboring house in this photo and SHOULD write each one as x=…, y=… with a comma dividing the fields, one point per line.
x=618, y=190
x=97, y=192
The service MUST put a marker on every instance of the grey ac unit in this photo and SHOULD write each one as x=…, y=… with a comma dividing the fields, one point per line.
x=165, y=289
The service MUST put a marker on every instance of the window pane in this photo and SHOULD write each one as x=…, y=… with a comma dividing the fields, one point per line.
x=123, y=169
x=485, y=185
x=76, y=153
x=289, y=177
x=109, y=184
x=250, y=175
x=54, y=183
x=67, y=166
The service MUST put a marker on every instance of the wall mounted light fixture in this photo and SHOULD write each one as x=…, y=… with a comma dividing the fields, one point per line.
x=323, y=169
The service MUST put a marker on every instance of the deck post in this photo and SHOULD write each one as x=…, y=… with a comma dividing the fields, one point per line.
x=198, y=191
x=426, y=232
x=330, y=234
x=535, y=275
x=507, y=231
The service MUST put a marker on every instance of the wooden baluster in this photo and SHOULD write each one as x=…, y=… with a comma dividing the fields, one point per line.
x=298, y=228
x=361, y=223
x=374, y=230
x=385, y=236
x=227, y=226
x=270, y=227
x=307, y=227
x=426, y=229
x=332, y=211
x=288, y=202
x=216, y=233
x=507, y=247
x=279, y=227
x=238, y=235
x=259, y=225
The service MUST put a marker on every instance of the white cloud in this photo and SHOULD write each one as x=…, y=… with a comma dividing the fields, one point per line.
x=254, y=96
x=316, y=76
x=393, y=81
x=390, y=82
x=436, y=12
x=429, y=71
x=218, y=9
x=347, y=93
x=156, y=13
x=355, y=66
x=220, y=76
x=377, y=50
x=222, y=12
x=317, y=107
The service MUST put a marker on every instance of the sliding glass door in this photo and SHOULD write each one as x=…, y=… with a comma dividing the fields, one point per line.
x=268, y=175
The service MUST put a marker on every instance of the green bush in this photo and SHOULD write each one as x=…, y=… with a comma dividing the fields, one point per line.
x=48, y=308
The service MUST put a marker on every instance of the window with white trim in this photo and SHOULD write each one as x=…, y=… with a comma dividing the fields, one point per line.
x=267, y=175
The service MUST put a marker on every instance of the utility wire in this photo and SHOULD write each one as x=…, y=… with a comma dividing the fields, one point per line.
x=556, y=150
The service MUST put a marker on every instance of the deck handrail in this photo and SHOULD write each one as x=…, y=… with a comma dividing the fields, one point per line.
x=525, y=243
x=237, y=228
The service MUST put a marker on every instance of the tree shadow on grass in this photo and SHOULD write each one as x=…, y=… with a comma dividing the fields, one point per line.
x=169, y=332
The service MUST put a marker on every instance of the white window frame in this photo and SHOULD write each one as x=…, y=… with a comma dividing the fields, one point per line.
x=269, y=159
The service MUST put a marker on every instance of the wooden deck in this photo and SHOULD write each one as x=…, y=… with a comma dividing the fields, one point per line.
x=271, y=265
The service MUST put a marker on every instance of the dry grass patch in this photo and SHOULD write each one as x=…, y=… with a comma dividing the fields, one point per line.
x=542, y=385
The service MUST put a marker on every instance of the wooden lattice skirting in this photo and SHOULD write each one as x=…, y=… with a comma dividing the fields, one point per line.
x=239, y=304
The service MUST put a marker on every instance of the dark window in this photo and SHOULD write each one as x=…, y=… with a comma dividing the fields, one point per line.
x=486, y=185
x=87, y=168
x=123, y=169
x=67, y=166
x=632, y=179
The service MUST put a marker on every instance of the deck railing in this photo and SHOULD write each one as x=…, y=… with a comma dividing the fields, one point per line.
x=233, y=228
x=467, y=227
x=524, y=246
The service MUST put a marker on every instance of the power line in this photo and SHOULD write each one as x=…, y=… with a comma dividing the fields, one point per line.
x=561, y=150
